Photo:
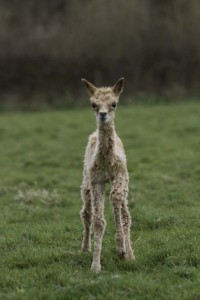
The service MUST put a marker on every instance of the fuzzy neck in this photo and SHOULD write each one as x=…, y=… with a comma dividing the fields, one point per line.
x=106, y=133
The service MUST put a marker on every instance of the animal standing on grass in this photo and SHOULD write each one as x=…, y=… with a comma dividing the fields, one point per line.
x=105, y=161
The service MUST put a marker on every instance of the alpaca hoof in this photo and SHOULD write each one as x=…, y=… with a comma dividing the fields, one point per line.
x=122, y=254
x=86, y=249
x=96, y=268
x=130, y=256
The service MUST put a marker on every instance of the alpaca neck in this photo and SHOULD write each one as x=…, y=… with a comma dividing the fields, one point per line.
x=106, y=134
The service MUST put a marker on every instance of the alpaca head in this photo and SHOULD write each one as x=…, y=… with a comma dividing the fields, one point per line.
x=104, y=100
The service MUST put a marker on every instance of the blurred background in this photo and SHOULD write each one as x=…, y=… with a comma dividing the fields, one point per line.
x=47, y=46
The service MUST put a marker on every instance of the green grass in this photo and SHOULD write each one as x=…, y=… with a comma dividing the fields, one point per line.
x=41, y=158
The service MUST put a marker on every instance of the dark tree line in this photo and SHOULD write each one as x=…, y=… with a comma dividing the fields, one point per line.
x=46, y=46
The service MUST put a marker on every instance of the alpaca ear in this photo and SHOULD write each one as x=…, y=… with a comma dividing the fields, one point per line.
x=89, y=86
x=118, y=87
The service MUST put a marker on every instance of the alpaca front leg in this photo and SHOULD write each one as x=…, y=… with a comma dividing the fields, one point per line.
x=126, y=220
x=97, y=192
x=116, y=200
x=86, y=216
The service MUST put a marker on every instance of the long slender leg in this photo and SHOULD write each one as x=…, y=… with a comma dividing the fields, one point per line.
x=97, y=193
x=116, y=196
x=126, y=220
x=86, y=215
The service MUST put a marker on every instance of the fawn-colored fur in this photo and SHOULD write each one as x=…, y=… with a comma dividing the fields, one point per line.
x=105, y=161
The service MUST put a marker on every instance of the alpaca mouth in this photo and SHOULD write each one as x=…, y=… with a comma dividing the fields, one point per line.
x=103, y=119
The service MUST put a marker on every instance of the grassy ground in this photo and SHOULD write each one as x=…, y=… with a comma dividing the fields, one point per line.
x=40, y=230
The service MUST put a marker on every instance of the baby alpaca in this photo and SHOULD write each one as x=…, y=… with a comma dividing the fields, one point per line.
x=105, y=161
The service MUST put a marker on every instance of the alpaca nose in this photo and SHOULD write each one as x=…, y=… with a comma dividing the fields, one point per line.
x=103, y=114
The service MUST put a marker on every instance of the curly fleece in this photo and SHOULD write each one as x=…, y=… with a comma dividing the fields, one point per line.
x=105, y=161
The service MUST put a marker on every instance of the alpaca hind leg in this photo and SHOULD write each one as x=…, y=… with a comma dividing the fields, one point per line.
x=86, y=216
x=116, y=197
x=126, y=220
x=97, y=193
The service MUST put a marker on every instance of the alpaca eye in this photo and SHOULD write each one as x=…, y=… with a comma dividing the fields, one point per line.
x=94, y=105
x=114, y=105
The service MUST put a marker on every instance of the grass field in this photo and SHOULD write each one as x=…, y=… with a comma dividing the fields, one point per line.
x=40, y=229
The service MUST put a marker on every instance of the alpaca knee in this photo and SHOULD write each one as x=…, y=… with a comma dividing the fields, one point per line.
x=85, y=192
x=86, y=216
x=99, y=225
x=116, y=198
x=126, y=220
x=86, y=209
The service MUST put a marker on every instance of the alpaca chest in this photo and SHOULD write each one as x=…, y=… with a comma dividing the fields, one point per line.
x=104, y=169
x=101, y=171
